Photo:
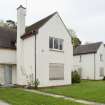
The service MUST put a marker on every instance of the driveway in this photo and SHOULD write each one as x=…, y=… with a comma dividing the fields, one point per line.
x=3, y=103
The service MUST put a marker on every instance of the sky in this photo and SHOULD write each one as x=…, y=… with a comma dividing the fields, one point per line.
x=85, y=17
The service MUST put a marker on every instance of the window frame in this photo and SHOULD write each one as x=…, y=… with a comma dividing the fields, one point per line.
x=101, y=57
x=50, y=43
x=59, y=43
x=80, y=58
x=101, y=71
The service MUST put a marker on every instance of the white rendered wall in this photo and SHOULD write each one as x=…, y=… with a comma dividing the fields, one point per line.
x=86, y=64
x=53, y=28
x=99, y=63
x=7, y=56
x=29, y=59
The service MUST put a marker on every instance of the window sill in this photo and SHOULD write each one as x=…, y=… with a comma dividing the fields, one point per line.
x=56, y=79
x=56, y=50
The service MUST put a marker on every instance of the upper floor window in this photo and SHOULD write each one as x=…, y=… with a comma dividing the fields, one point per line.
x=80, y=58
x=101, y=57
x=61, y=44
x=56, y=43
x=51, y=42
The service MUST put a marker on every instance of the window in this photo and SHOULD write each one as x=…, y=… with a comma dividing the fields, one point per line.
x=56, y=43
x=101, y=72
x=101, y=57
x=51, y=42
x=80, y=58
x=56, y=71
x=80, y=71
x=61, y=44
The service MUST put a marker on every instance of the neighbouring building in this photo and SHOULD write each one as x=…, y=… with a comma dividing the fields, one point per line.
x=89, y=60
x=7, y=56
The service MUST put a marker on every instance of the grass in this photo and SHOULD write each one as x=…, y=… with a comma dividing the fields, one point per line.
x=87, y=90
x=19, y=97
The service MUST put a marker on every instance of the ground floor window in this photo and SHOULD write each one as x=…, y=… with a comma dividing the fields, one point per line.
x=101, y=72
x=56, y=71
x=80, y=71
x=8, y=74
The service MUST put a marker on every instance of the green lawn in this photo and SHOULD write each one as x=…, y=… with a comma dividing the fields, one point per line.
x=88, y=90
x=19, y=97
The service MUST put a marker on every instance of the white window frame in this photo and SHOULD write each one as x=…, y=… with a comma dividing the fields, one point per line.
x=80, y=58
x=101, y=57
x=58, y=44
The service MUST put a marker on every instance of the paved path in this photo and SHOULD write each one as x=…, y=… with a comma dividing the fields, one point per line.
x=3, y=103
x=64, y=97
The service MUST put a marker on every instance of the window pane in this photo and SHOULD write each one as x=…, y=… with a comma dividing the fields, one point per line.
x=60, y=44
x=50, y=42
x=56, y=43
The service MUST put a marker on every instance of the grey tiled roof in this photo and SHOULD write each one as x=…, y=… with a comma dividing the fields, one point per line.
x=36, y=26
x=40, y=23
x=86, y=49
x=7, y=38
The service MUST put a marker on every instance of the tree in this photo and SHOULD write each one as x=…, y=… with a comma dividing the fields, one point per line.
x=3, y=24
x=9, y=24
x=75, y=40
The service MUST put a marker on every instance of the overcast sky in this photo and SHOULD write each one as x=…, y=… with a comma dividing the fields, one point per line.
x=86, y=17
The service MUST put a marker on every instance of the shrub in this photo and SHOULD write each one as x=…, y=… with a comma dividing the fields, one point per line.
x=104, y=78
x=36, y=83
x=75, y=77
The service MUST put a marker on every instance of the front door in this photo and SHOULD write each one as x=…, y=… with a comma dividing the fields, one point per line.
x=8, y=74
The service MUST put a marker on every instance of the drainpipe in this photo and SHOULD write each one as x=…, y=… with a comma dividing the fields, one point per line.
x=35, y=33
x=94, y=66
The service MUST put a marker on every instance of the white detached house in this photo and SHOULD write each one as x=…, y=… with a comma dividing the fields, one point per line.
x=89, y=60
x=44, y=51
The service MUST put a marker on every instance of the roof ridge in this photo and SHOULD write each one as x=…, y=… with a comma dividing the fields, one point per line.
x=91, y=43
x=41, y=22
x=86, y=49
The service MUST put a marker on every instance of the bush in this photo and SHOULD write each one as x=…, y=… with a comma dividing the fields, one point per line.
x=36, y=83
x=75, y=77
x=104, y=78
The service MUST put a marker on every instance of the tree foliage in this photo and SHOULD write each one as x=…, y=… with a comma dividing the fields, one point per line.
x=75, y=40
x=8, y=24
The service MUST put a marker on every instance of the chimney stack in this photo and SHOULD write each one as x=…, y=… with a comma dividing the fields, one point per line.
x=21, y=13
